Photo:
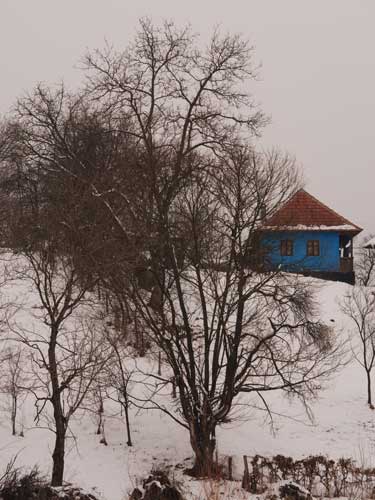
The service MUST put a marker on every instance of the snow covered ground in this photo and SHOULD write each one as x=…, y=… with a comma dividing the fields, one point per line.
x=343, y=425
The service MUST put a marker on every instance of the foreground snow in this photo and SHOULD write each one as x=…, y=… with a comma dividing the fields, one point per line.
x=342, y=426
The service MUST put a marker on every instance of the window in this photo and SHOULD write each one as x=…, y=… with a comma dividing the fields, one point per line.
x=286, y=247
x=313, y=249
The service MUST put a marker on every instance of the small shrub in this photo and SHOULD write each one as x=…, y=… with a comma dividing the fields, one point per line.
x=16, y=484
x=157, y=487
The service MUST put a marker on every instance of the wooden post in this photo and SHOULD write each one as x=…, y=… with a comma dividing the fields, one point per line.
x=230, y=468
x=246, y=475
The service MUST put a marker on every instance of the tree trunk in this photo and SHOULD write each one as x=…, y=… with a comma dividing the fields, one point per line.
x=14, y=414
x=203, y=442
x=174, y=392
x=127, y=420
x=58, y=456
x=99, y=430
x=369, y=398
x=58, y=413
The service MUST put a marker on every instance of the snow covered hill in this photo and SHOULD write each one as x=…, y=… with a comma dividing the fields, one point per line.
x=343, y=425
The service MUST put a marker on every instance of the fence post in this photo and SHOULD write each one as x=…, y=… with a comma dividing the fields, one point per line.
x=246, y=475
x=230, y=468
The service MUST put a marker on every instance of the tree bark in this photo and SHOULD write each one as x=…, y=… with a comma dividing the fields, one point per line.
x=60, y=422
x=14, y=414
x=127, y=420
x=369, y=398
x=99, y=430
x=202, y=440
x=58, y=456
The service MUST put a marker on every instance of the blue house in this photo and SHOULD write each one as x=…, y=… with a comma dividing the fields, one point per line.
x=305, y=236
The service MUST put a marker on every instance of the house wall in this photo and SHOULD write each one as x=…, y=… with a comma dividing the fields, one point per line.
x=328, y=260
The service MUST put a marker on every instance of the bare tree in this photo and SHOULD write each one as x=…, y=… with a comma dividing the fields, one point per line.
x=359, y=306
x=98, y=399
x=226, y=324
x=118, y=376
x=365, y=265
x=12, y=369
x=67, y=354
x=14, y=382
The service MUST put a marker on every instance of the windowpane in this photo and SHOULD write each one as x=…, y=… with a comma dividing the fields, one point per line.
x=313, y=248
x=286, y=247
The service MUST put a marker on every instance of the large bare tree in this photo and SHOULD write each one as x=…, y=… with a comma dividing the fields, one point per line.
x=226, y=323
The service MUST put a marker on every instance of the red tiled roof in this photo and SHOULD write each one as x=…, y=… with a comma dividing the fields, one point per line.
x=303, y=211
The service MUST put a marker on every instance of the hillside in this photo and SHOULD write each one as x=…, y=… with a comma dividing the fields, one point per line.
x=342, y=426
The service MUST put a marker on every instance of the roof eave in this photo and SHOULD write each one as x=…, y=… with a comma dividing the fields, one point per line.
x=353, y=232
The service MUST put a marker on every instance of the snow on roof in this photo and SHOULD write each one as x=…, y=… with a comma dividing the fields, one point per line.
x=305, y=227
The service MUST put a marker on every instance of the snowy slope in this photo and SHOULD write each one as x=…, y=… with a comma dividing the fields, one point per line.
x=343, y=426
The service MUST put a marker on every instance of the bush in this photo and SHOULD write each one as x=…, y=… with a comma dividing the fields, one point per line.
x=157, y=487
x=16, y=484
x=317, y=474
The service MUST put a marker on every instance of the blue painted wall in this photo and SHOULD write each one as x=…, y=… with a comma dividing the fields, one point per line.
x=328, y=260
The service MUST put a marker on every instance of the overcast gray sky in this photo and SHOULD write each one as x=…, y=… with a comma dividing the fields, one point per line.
x=317, y=75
